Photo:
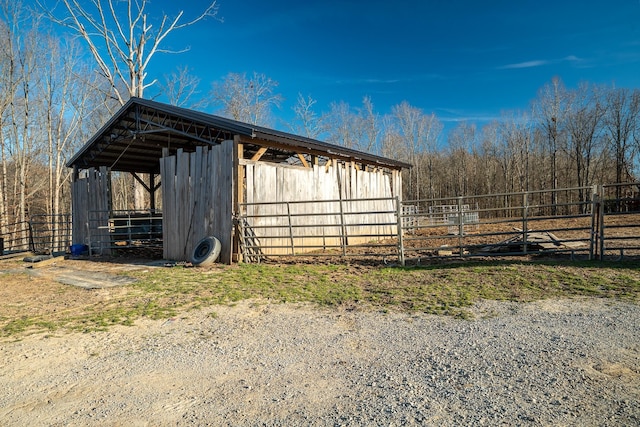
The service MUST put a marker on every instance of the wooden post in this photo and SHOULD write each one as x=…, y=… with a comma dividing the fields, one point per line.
x=400, y=231
x=152, y=191
x=238, y=193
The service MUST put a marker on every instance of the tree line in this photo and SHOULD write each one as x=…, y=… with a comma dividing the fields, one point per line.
x=568, y=138
x=57, y=90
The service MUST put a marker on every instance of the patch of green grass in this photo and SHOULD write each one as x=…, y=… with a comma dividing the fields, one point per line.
x=447, y=290
x=441, y=289
x=26, y=323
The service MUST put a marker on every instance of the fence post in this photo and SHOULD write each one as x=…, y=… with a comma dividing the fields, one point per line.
x=32, y=243
x=343, y=228
x=400, y=239
x=595, y=208
x=601, y=220
x=460, y=226
x=525, y=225
x=293, y=251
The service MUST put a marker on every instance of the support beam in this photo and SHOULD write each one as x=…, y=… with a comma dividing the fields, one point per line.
x=327, y=165
x=303, y=160
x=238, y=193
x=144, y=184
x=259, y=154
x=152, y=191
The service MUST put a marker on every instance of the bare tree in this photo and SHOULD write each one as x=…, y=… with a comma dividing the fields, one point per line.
x=514, y=151
x=123, y=40
x=488, y=152
x=68, y=88
x=341, y=125
x=583, y=124
x=461, y=141
x=306, y=122
x=419, y=134
x=8, y=89
x=247, y=100
x=550, y=110
x=357, y=128
x=370, y=123
x=620, y=122
x=181, y=88
x=22, y=135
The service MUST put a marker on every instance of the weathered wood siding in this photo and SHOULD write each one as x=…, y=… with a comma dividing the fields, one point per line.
x=197, y=195
x=345, y=185
x=91, y=205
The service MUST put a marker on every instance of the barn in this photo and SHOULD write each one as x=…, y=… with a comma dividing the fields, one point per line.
x=202, y=171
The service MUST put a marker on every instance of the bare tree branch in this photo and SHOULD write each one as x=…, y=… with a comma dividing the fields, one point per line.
x=123, y=46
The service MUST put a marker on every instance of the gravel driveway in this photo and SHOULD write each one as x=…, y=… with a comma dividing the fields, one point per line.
x=555, y=362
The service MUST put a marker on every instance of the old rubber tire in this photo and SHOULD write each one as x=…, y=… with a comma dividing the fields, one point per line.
x=206, y=251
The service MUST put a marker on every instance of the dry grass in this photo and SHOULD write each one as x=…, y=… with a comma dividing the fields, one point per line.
x=31, y=303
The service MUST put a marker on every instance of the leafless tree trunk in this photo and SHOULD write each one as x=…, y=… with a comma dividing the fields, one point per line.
x=8, y=88
x=370, y=124
x=583, y=124
x=488, y=152
x=419, y=134
x=516, y=139
x=66, y=102
x=22, y=110
x=461, y=141
x=122, y=42
x=620, y=122
x=550, y=109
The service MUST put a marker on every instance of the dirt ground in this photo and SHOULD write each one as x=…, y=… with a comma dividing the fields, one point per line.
x=287, y=364
x=34, y=288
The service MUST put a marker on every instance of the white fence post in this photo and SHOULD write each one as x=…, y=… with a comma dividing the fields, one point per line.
x=400, y=240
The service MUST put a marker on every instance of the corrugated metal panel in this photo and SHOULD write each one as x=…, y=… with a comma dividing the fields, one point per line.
x=133, y=139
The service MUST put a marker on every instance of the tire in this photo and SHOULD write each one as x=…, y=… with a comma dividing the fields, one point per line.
x=206, y=251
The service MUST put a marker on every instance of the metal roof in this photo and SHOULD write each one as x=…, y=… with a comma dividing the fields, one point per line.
x=134, y=138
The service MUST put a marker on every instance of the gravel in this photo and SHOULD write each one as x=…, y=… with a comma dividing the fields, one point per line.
x=554, y=362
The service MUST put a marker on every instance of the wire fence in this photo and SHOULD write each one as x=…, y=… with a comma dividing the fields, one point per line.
x=604, y=224
x=42, y=234
x=15, y=238
x=124, y=230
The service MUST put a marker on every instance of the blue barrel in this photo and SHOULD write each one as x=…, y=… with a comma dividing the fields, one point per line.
x=78, y=249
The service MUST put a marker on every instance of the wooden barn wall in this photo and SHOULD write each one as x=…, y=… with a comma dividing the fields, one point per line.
x=267, y=183
x=197, y=195
x=91, y=206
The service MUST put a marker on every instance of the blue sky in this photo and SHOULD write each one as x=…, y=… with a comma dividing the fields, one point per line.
x=462, y=60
